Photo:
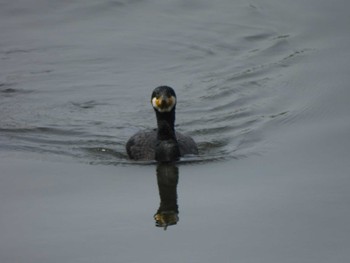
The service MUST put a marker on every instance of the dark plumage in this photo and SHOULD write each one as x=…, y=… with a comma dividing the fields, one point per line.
x=163, y=144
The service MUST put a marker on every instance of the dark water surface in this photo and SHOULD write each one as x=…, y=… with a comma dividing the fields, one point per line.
x=77, y=78
x=262, y=87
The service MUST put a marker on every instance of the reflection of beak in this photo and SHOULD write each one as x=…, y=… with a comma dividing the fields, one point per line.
x=166, y=218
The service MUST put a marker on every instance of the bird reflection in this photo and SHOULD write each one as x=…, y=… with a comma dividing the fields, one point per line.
x=167, y=178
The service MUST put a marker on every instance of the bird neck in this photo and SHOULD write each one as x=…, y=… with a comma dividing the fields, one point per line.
x=167, y=148
x=166, y=125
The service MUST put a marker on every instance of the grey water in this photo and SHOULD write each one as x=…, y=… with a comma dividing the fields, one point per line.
x=262, y=87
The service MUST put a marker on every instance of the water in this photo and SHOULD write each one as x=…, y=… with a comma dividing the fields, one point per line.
x=262, y=87
x=78, y=81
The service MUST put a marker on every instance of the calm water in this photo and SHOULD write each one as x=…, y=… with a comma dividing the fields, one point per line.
x=262, y=87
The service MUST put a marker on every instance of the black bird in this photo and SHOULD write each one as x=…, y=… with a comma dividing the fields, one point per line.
x=163, y=144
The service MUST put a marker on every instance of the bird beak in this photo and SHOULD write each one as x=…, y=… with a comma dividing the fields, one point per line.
x=162, y=102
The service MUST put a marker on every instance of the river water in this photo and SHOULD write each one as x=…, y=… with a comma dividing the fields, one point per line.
x=262, y=87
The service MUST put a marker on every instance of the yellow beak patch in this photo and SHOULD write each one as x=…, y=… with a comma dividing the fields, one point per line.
x=164, y=104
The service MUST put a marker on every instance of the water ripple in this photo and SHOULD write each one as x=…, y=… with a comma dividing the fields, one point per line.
x=97, y=93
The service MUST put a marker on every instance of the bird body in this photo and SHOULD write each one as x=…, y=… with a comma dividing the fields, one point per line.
x=163, y=144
